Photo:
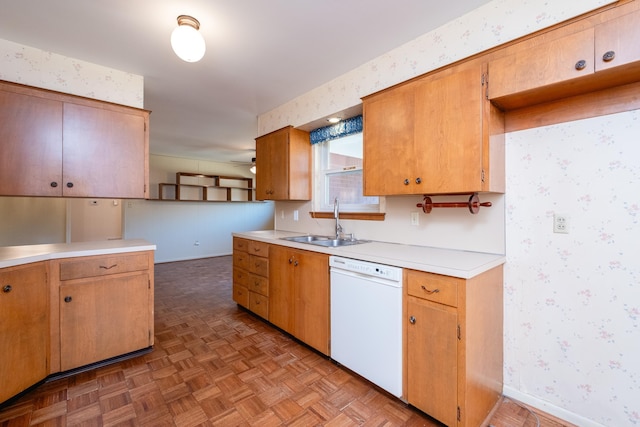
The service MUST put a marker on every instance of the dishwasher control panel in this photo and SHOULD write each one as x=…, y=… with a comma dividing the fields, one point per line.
x=367, y=268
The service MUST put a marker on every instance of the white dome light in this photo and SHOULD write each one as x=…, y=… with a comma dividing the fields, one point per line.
x=186, y=40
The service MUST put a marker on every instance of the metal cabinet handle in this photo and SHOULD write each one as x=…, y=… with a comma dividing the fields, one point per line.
x=110, y=267
x=6, y=288
x=412, y=320
x=69, y=184
x=68, y=299
x=54, y=184
x=435, y=291
x=581, y=65
x=295, y=263
x=290, y=260
x=406, y=182
x=418, y=180
x=608, y=56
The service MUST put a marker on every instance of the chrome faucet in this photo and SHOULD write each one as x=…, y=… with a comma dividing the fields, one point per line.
x=336, y=215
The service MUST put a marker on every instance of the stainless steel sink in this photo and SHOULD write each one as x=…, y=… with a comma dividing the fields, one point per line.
x=324, y=241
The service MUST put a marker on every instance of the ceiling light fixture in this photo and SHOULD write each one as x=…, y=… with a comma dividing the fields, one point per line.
x=186, y=40
x=252, y=169
x=333, y=119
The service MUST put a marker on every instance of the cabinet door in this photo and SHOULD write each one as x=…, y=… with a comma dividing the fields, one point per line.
x=448, y=133
x=389, y=159
x=281, y=294
x=271, y=166
x=31, y=145
x=103, y=318
x=619, y=36
x=24, y=328
x=432, y=360
x=104, y=153
x=547, y=64
x=312, y=299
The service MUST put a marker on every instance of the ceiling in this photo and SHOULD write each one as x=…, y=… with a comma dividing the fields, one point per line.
x=260, y=54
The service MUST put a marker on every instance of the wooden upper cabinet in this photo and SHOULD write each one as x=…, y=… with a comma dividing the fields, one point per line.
x=283, y=165
x=59, y=145
x=571, y=60
x=617, y=44
x=547, y=65
x=30, y=145
x=115, y=144
x=432, y=136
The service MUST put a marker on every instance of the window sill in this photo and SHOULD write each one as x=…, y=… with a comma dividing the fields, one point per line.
x=365, y=216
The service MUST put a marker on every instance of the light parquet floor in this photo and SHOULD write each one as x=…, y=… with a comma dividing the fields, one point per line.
x=214, y=364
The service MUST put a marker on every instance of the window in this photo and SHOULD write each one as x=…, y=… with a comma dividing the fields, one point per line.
x=338, y=173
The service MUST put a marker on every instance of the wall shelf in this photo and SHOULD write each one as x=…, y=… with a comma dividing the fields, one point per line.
x=190, y=186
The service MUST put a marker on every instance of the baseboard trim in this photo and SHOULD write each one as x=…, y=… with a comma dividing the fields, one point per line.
x=549, y=408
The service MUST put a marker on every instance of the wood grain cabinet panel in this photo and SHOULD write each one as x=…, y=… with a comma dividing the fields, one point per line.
x=251, y=275
x=283, y=165
x=299, y=294
x=433, y=135
x=575, y=59
x=453, y=345
x=24, y=327
x=103, y=318
x=105, y=307
x=60, y=145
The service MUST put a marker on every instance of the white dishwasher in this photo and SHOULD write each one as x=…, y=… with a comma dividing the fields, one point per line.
x=366, y=320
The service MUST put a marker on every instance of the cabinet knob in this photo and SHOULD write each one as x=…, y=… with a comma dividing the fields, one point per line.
x=69, y=184
x=412, y=320
x=608, y=56
x=67, y=299
x=295, y=263
x=406, y=182
x=290, y=260
x=6, y=288
x=581, y=65
x=418, y=180
x=54, y=184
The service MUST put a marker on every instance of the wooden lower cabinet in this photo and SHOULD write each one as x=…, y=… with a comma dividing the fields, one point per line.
x=103, y=318
x=454, y=345
x=104, y=308
x=251, y=275
x=24, y=327
x=299, y=294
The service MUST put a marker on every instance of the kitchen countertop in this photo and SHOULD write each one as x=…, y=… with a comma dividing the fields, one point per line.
x=18, y=255
x=449, y=262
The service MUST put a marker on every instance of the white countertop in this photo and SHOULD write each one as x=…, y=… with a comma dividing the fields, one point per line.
x=18, y=255
x=449, y=262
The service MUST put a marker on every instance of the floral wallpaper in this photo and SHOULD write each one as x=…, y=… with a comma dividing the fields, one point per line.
x=35, y=67
x=572, y=301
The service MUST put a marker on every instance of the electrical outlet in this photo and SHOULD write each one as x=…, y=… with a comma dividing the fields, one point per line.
x=295, y=215
x=415, y=218
x=560, y=223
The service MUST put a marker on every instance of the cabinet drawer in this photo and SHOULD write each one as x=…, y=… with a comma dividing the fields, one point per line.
x=241, y=295
x=240, y=244
x=258, y=248
x=259, y=265
x=240, y=277
x=259, y=304
x=240, y=260
x=433, y=287
x=101, y=266
x=258, y=284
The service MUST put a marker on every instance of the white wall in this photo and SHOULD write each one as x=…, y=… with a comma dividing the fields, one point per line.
x=571, y=301
x=187, y=230
x=32, y=221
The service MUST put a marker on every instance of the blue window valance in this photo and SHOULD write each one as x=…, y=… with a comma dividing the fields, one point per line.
x=344, y=128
